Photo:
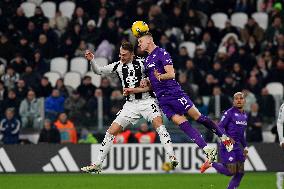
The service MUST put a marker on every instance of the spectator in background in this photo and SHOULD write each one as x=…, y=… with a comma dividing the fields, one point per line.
x=59, y=22
x=3, y=93
x=23, y=48
x=81, y=49
x=45, y=47
x=201, y=106
x=31, y=78
x=45, y=88
x=253, y=85
x=246, y=60
x=38, y=63
x=79, y=17
x=209, y=45
x=201, y=60
x=105, y=49
x=61, y=87
x=176, y=17
x=228, y=29
x=50, y=34
x=32, y=33
x=74, y=107
x=187, y=86
x=87, y=137
x=91, y=34
x=49, y=133
x=145, y=135
x=206, y=87
x=10, y=127
x=254, y=130
x=182, y=58
x=250, y=99
x=106, y=88
x=252, y=29
x=20, y=20
x=54, y=104
x=21, y=89
x=252, y=46
x=10, y=78
x=213, y=31
x=86, y=89
x=124, y=137
x=266, y=105
x=18, y=64
x=68, y=133
x=7, y=48
x=30, y=111
x=229, y=86
x=218, y=72
x=116, y=101
x=38, y=19
x=193, y=74
x=218, y=103
x=67, y=49
x=238, y=75
x=274, y=29
x=11, y=102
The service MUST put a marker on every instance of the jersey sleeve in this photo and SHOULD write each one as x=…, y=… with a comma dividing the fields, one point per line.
x=166, y=58
x=280, y=122
x=104, y=69
x=225, y=120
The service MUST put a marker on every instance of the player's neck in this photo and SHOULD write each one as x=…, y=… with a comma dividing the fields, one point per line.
x=151, y=48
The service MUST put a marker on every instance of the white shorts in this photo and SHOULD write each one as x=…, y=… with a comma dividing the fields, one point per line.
x=132, y=111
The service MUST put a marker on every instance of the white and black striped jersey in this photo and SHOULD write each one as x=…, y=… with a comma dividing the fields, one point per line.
x=130, y=75
x=280, y=124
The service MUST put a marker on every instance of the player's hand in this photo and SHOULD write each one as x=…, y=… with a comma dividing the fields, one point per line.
x=127, y=91
x=89, y=55
x=157, y=74
x=143, y=83
x=246, y=153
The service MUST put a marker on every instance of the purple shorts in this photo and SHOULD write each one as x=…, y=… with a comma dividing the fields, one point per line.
x=175, y=105
x=233, y=156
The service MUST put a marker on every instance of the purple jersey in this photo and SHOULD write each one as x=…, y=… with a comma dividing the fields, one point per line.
x=157, y=60
x=172, y=99
x=234, y=122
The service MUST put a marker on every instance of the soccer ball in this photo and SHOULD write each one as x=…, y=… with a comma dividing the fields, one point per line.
x=139, y=28
x=166, y=167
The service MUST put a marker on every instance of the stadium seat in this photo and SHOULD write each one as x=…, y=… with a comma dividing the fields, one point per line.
x=28, y=8
x=261, y=18
x=190, y=46
x=79, y=64
x=52, y=77
x=219, y=19
x=49, y=9
x=275, y=88
x=72, y=79
x=36, y=2
x=67, y=8
x=96, y=79
x=101, y=61
x=59, y=64
x=239, y=19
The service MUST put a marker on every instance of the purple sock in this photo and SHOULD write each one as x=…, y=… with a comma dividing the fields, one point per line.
x=193, y=134
x=209, y=124
x=221, y=169
x=235, y=181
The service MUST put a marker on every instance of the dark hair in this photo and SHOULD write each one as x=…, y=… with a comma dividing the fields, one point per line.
x=127, y=46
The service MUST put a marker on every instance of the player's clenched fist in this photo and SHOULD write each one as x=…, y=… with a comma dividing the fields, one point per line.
x=89, y=55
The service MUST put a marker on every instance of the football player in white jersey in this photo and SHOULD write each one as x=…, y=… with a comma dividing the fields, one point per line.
x=280, y=125
x=139, y=103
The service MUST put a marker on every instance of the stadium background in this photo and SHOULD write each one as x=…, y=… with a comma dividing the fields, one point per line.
x=218, y=47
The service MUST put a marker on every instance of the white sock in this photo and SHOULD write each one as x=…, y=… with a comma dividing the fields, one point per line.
x=279, y=180
x=105, y=148
x=165, y=139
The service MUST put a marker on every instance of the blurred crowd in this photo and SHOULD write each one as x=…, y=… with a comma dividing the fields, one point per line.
x=225, y=61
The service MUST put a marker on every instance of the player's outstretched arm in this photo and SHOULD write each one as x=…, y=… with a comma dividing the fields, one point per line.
x=97, y=69
x=127, y=91
x=280, y=122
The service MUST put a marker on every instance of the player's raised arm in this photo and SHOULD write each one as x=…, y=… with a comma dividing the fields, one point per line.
x=280, y=122
x=168, y=67
x=97, y=69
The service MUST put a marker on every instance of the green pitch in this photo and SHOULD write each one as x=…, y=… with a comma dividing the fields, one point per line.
x=133, y=181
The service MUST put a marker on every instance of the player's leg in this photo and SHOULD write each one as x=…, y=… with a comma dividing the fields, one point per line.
x=194, y=113
x=195, y=135
x=151, y=112
x=236, y=179
x=106, y=145
x=279, y=180
x=165, y=139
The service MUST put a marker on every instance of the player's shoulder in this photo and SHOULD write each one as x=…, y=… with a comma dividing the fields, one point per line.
x=162, y=51
x=229, y=111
